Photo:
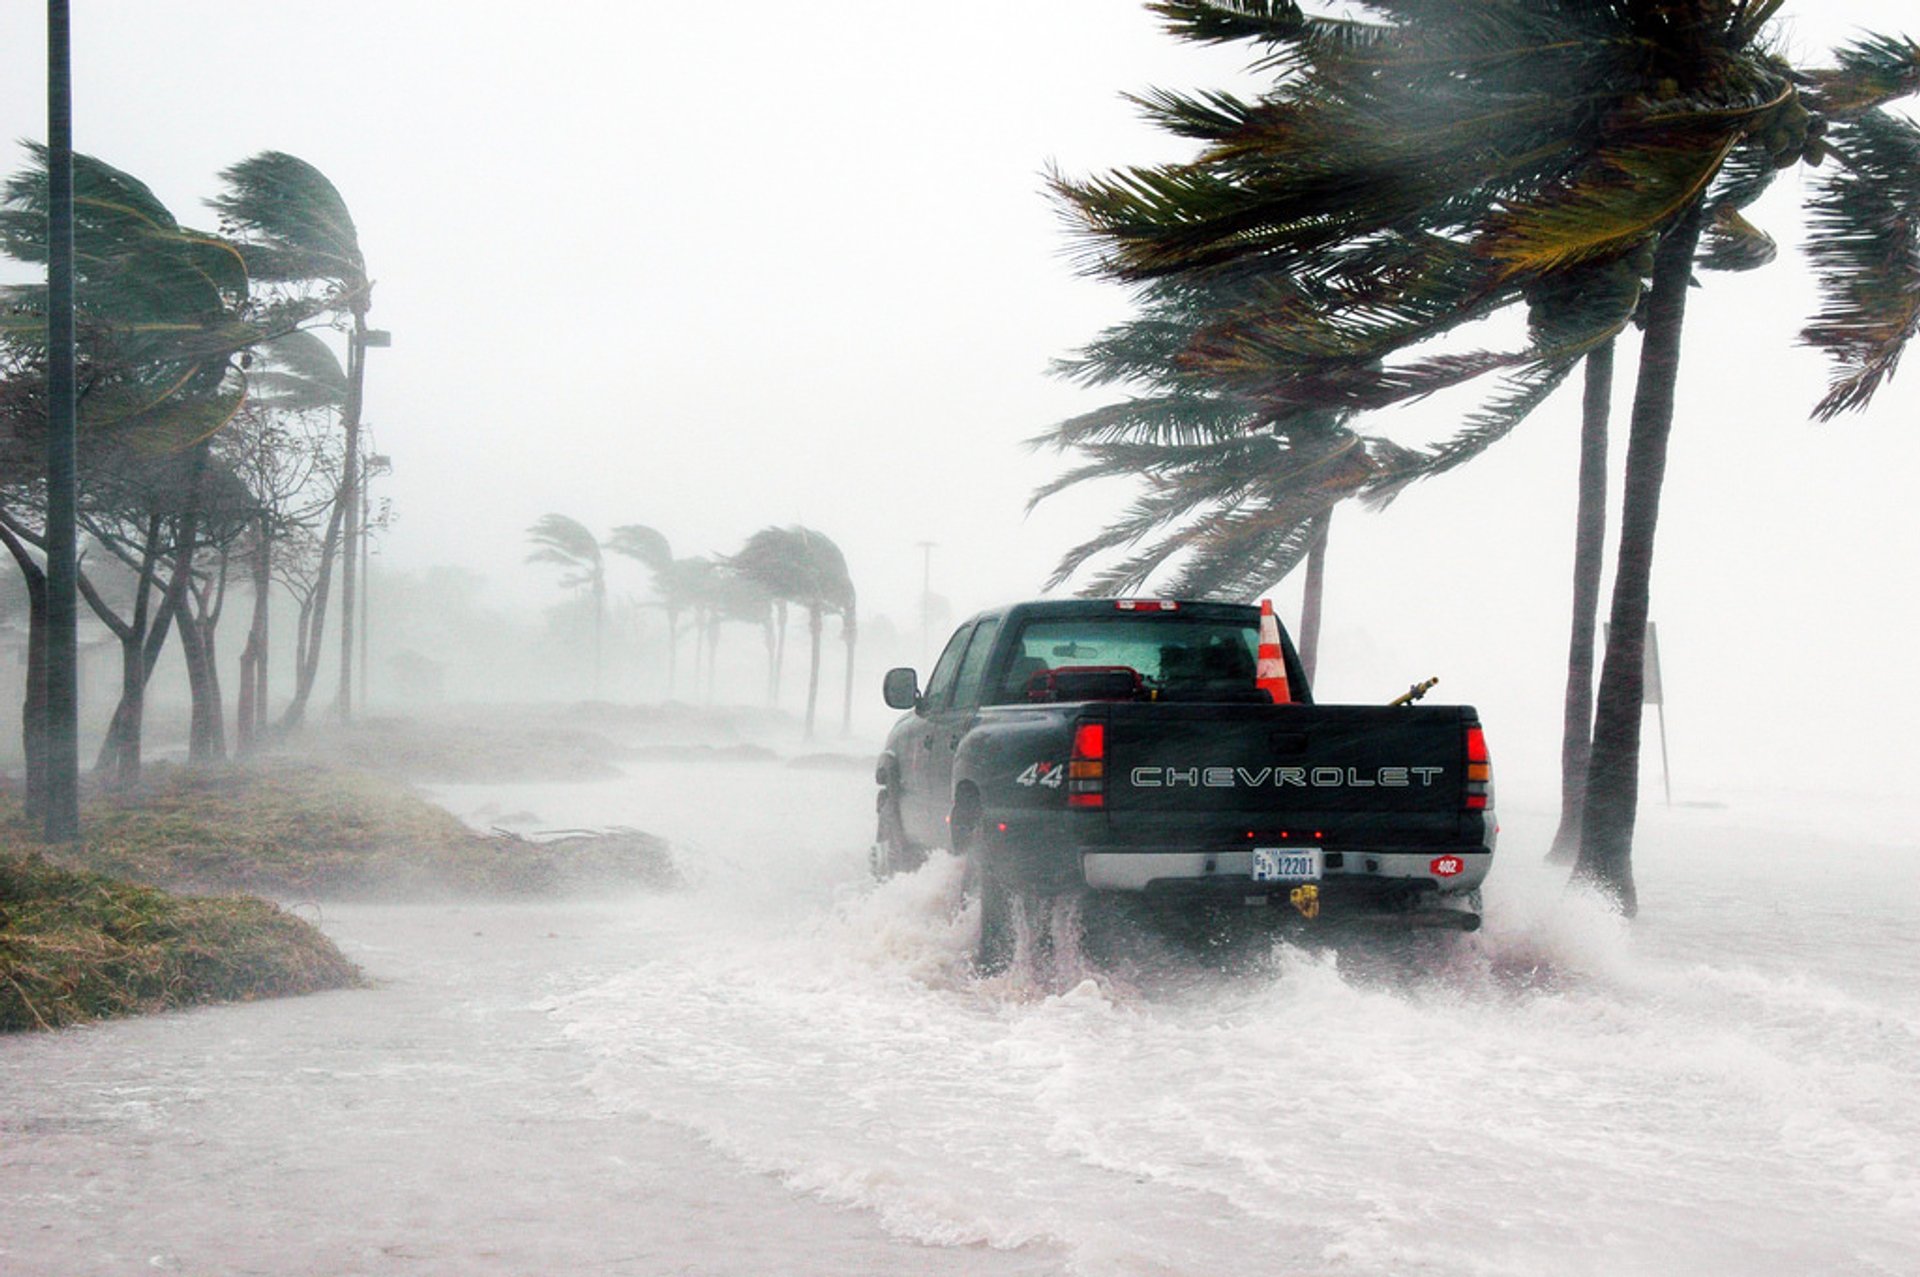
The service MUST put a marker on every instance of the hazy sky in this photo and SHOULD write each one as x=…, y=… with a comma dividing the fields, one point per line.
x=713, y=267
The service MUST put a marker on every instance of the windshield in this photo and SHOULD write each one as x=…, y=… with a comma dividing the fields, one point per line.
x=1174, y=657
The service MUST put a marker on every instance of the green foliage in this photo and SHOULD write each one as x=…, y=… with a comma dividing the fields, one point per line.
x=1864, y=241
x=1422, y=169
x=161, y=310
x=293, y=227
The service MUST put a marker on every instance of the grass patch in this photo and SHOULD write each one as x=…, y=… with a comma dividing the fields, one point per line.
x=76, y=946
x=296, y=830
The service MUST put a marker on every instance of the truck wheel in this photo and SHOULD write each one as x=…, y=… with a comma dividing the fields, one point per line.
x=891, y=853
x=993, y=951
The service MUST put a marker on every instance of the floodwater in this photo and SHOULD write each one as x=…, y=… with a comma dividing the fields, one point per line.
x=786, y=1069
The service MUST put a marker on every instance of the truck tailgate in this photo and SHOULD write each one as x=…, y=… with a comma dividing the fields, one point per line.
x=1337, y=771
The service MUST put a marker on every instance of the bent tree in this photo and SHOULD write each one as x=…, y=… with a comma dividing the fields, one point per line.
x=1436, y=162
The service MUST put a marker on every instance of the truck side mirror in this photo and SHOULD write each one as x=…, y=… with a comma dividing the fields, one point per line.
x=901, y=688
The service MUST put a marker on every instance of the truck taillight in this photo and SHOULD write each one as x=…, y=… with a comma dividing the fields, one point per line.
x=1087, y=769
x=1479, y=771
x=1146, y=605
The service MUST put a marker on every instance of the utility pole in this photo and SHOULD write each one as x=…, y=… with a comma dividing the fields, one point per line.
x=359, y=341
x=926, y=599
x=60, y=662
x=377, y=463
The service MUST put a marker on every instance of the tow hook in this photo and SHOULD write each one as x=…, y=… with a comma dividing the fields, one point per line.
x=1306, y=899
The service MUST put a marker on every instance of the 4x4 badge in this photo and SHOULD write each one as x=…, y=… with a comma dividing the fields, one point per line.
x=1051, y=775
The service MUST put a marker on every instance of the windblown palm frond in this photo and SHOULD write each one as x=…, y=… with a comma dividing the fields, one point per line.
x=567, y=542
x=298, y=372
x=291, y=224
x=1864, y=239
x=797, y=564
x=644, y=544
x=1872, y=72
x=161, y=309
x=1220, y=21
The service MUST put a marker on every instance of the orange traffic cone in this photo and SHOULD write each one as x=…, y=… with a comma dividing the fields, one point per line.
x=1271, y=672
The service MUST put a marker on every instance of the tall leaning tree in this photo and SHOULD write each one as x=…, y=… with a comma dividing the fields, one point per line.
x=567, y=542
x=804, y=567
x=163, y=313
x=295, y=232
x=1438, y=162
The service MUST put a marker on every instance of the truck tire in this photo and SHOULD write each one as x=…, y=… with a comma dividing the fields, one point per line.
x=891, y=853
x=994, y=951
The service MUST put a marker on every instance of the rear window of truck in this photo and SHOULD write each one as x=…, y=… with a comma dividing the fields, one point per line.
x=1173, y=657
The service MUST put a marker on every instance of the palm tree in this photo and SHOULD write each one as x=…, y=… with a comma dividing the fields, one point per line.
x=160, y=312
x=559, y=539
x=294, y=378
x=294, y=228
x=1239, y=488
x=652, y=550
x=1405, y=176
x=806, y=568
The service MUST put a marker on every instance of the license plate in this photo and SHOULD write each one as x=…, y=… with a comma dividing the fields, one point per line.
x=1271, y=864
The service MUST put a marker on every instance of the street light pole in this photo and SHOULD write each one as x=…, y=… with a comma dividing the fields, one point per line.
x=60, y=657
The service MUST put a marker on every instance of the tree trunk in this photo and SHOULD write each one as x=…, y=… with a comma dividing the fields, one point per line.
x=1589, y=552
x=779, y=649
x=250, y=710
x=1613, y=772
x=1309, y=645
x=33, y=708
x=766, y=633
x=33, y=712
x=713, y=652
x=199, y=626
x=207, y=740
x=851, y=630
x=119, y=757
x=599, y=626
x=673, y=650
x=815, y=623
x=315, y=610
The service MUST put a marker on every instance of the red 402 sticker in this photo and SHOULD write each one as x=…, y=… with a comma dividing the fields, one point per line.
x=1447, y=866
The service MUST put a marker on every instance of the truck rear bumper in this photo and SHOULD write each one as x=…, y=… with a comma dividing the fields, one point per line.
x=1425, y=868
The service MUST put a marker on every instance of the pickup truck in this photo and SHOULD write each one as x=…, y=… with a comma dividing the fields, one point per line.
x=1128, y=746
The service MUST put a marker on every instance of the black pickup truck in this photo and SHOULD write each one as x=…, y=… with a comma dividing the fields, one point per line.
x=1127, y=746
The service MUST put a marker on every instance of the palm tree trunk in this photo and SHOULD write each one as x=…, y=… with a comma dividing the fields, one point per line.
x=599, y=628
x=1589, y=551
x=1613, y=772
x=1315, y=590
x=815, y=623
x=673, y=650
x=779, y=649
x=852, y=633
